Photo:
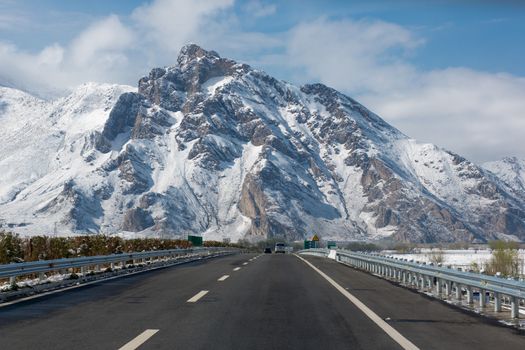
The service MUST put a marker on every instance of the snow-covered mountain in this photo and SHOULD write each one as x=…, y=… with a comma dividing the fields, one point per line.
x=215, y=147
x=511, y=171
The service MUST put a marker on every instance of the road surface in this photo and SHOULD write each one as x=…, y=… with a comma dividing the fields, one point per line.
x=238, y=302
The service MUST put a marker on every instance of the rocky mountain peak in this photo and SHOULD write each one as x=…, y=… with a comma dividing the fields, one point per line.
x=193, y=52
x=210, y=146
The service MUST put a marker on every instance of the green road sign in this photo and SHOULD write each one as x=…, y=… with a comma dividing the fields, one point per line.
x=195, y=241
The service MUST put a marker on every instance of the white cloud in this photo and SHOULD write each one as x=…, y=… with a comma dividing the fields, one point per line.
x=102, y=41
x=477, y=114
x=31, y=72
x=110, y=51
x=172, y=23
x=51, y=56
x=96, y=54
x=353, y=55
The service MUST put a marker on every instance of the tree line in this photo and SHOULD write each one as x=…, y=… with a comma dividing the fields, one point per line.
x=14, y=248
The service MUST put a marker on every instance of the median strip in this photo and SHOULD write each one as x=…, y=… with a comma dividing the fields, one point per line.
x=139, y=340
x=388, y=329
x=223, y=278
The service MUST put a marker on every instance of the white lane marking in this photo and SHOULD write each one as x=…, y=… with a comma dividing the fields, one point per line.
x=223, y=278
x=139, y=340
x=245, y=263
x=81, y=285
x=388, y=329
x=197, y=296
x=236, y=269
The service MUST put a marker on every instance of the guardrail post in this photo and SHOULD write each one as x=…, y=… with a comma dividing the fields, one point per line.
x=497, y=302
x=482, y=298
x=83, y=272
x=41, y=276
x=447, y=289
x=458, y=291
x=438, y=287
x=12, y=280
x=470, y=296
x=514, y=307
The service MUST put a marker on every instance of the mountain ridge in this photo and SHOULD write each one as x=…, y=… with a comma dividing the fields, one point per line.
x=211, y=146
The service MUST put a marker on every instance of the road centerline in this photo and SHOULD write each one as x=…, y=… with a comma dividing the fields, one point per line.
x=388, y=329
x=139, y=339
x=197, y=296
x=223, y=278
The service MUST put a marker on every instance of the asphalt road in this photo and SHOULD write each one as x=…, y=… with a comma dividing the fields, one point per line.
x=272, y=302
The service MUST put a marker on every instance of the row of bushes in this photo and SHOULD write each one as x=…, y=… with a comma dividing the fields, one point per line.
x=14, y=248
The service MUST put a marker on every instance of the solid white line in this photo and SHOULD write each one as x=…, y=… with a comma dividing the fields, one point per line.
x=236, y=269
x=139, y=340
x=197, y=296
x=223, y=278
x=388, y=329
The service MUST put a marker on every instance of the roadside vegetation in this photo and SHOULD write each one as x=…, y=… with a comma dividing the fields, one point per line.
x=436, y=256
x=363, y=247
x=505, y=259
x=14, y=248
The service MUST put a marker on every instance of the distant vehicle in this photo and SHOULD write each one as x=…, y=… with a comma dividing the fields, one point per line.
x=280, y=248
x=267, y=250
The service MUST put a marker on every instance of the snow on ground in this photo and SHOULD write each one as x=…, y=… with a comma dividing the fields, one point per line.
x=457, y=258
x=211, y=85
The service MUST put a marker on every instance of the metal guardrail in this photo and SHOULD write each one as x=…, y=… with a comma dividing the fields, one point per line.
x=14, y=270
x=510, y=288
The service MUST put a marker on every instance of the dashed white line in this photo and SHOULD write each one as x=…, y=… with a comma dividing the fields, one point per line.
x=245, y=263
x=223, y=278
x=236, y=269
x=197, y=296
x=388, y=329
x=139, y=340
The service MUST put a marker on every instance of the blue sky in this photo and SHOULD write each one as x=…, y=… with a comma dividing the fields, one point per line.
x=446, y=72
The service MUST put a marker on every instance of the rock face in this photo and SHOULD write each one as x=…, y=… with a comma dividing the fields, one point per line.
x=213, y=147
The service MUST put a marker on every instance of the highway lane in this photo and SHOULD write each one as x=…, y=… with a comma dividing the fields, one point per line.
x=275, y=302
x=427, y=322
x=109, y=314
x=272, y=302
